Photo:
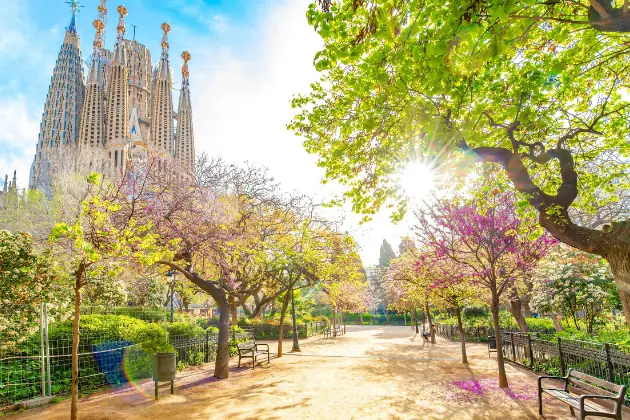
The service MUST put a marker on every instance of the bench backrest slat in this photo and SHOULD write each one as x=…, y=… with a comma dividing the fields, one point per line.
x=246, y=344
x=592, y=384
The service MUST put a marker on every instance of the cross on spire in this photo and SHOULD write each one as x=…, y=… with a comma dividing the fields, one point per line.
x=74, y=5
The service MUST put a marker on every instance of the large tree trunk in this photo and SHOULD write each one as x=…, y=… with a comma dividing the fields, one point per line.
x=462, y=337
x=620, y=267
x=285, y=305
x=431, y=327
x=516, y=309
x=334, y=323
x=503, y=383
x=222, y=364
x=556, y=322
x=415, y=316
x=527, y=310
x=75, y=349
x=234, y=310
x=248, y=313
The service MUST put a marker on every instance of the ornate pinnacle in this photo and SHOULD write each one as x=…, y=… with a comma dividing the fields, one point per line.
x=186, y=57
x=166, y=28
x=122, y=11
x=98, y=39
x=74, y=5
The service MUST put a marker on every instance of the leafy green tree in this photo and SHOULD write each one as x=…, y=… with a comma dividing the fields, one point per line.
x=569, y=282
x=536, y=87
x=28, y=278
x=103, y=235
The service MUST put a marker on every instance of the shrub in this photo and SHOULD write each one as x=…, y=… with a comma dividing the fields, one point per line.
x=98, y=329
x=183, y=329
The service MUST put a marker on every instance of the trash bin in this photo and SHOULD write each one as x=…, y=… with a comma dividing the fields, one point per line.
x=164, y=369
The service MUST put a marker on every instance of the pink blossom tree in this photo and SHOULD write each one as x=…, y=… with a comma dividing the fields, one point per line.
x=487, y=243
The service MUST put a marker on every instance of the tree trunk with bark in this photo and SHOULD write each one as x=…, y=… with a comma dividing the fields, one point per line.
x=75, y=349
x=222, y=363
x=556, y=322
x=233, y=310
x=516, y=309
x=285, y=305
x=462, y=337
x=415, y=316
x=431, y=328
x=219, y=295
x=503, y=382
x=334, y=323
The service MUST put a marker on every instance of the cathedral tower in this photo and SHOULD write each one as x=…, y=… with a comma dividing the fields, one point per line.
x=123, y=111
x=162, y=116
x=92, y=132
x=62, y=112
x=118, y=100
x=185, y=143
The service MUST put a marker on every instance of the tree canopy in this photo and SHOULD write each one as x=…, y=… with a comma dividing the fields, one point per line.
x=539, y=88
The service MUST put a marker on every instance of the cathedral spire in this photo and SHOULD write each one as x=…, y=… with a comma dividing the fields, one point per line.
x=92, y=127
x=119, y=49
x=164, y=62
x=185, y=139
x=59, y=128
x=74, y=5
x=162, y=133
x=118, y=99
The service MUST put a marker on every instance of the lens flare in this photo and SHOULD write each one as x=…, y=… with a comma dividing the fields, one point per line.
x=417, y=180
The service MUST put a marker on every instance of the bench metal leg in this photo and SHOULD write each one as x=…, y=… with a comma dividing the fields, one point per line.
x=540, y=402
x=157, y=397
x=573, y=411
x=172, y=387
x=253, y=362
x=239, y=361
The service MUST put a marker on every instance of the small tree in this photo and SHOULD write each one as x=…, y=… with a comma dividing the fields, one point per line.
x=485, y=242
x=101, y=236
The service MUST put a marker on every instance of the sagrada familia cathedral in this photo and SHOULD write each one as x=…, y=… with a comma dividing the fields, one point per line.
x=121, y=112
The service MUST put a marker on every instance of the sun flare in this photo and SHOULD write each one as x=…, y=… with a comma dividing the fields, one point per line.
x=417, y=180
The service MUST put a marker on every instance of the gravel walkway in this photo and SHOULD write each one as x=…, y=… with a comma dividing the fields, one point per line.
x=369, y=373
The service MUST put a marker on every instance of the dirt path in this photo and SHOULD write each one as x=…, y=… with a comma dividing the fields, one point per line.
x=369, y=373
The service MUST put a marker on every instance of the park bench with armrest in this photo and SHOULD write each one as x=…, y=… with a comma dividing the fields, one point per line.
x=597, y=389
x=250, y=350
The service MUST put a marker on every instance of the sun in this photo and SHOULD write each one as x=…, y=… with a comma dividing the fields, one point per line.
x=417, y=180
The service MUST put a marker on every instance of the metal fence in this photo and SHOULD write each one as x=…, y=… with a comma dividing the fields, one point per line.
x=610, y=362
x=36, y=362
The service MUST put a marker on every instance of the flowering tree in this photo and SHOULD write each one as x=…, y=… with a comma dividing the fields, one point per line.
x=569, y=281
x=103, y=234
x=405, y=288
x=485, y=242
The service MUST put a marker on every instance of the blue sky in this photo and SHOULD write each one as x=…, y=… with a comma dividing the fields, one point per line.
x=249, y=57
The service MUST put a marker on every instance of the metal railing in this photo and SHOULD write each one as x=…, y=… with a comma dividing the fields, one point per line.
x=607, y=361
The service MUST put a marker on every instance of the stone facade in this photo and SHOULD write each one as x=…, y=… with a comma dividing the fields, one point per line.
x=125, y=106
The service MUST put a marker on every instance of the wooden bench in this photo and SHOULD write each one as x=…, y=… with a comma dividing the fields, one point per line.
x=328, y=332
x=492, y=345
x=597, y=389
x=250, y=350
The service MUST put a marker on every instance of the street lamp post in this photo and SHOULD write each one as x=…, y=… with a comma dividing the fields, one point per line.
x=171, y=275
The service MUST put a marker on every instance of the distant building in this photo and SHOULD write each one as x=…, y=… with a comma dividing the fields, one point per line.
x=9, y=186
x=122, y=111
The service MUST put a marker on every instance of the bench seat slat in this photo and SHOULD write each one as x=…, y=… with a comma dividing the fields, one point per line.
x=574, y=400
